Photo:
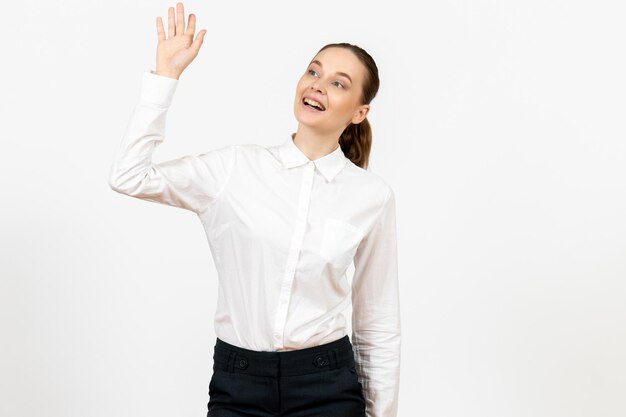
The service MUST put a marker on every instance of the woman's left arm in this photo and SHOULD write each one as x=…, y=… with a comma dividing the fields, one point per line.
x=376, y=333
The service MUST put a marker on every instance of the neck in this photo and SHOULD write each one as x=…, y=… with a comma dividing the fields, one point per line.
x=313, y=144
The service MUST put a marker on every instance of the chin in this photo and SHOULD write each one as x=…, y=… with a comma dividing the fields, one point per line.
x=304, y=120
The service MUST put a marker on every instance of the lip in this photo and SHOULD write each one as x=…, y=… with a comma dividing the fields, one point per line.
x=316, y=99
x=309, y=108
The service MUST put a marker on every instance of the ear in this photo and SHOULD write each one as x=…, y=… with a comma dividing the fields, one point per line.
x=360, y=114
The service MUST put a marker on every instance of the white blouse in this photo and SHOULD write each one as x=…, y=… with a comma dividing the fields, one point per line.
x=283, y=231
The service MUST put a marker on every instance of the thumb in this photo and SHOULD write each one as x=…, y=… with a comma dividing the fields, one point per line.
x=197, y=43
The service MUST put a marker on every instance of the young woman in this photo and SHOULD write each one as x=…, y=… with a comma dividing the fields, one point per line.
x=284, y=223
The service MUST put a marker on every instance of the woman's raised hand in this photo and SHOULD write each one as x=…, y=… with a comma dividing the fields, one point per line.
x=176, y=52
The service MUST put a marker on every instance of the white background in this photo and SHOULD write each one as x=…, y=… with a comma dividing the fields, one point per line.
x=499, y=124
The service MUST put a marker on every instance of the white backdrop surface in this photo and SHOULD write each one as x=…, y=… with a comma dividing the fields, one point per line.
x=500, y=126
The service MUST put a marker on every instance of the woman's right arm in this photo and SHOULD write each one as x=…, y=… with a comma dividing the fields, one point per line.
x=191, y=182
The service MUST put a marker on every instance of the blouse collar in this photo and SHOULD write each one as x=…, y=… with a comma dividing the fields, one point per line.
x=329, y=165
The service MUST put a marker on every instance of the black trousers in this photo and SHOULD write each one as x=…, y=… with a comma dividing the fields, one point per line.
x=319, y=381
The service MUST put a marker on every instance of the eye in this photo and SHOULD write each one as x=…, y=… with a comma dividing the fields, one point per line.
x=337, y=82
x=310, y=71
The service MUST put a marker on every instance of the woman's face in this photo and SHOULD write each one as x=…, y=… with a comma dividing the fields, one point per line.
x=334, y=78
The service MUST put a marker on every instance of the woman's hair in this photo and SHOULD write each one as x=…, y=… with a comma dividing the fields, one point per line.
x=356, y=139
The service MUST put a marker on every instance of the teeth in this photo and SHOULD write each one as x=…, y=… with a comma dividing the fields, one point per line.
x=314, y=103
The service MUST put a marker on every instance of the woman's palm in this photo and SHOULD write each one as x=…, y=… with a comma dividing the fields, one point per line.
x=176, y=52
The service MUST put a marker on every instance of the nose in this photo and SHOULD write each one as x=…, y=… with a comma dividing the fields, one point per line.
x=314, y=86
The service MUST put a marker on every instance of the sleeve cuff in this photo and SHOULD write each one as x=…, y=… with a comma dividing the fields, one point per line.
x=157, y=89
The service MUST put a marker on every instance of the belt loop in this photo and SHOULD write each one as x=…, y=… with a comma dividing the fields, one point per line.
x=231, y=361
x=335, y=360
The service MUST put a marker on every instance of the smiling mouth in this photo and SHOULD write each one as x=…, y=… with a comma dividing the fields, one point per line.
x=313, y=105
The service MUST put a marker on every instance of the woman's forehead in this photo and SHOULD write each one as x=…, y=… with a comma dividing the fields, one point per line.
x=340, y=60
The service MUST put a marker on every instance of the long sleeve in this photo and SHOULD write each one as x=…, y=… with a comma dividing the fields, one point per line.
x=191, y=182
x=376, y=333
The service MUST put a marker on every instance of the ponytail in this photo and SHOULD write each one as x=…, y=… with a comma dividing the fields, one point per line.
x=356, y=142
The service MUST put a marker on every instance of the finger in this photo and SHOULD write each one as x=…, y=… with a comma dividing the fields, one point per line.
x=171, y=28
x=160, y=30
x=191, y=25
x=180, y=19
x=198, y=42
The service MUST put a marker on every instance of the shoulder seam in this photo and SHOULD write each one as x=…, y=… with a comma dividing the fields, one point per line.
x=380, y=210
x=228, y=176
x=230, y=170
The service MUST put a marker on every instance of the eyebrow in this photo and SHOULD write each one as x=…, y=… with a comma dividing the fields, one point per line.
x=315, y=61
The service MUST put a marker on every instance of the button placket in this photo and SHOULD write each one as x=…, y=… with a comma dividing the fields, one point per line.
x=294, y=252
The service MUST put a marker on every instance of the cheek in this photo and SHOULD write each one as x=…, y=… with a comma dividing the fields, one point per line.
x=300, y=86
x=341, y=105
x=298, y=91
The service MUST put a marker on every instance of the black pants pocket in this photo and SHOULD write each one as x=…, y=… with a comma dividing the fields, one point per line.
x=231, y=393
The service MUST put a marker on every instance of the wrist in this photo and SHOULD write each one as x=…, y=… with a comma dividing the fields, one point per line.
x=167, y=74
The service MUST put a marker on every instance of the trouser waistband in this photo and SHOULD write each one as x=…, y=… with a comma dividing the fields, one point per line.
x=332, y=355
